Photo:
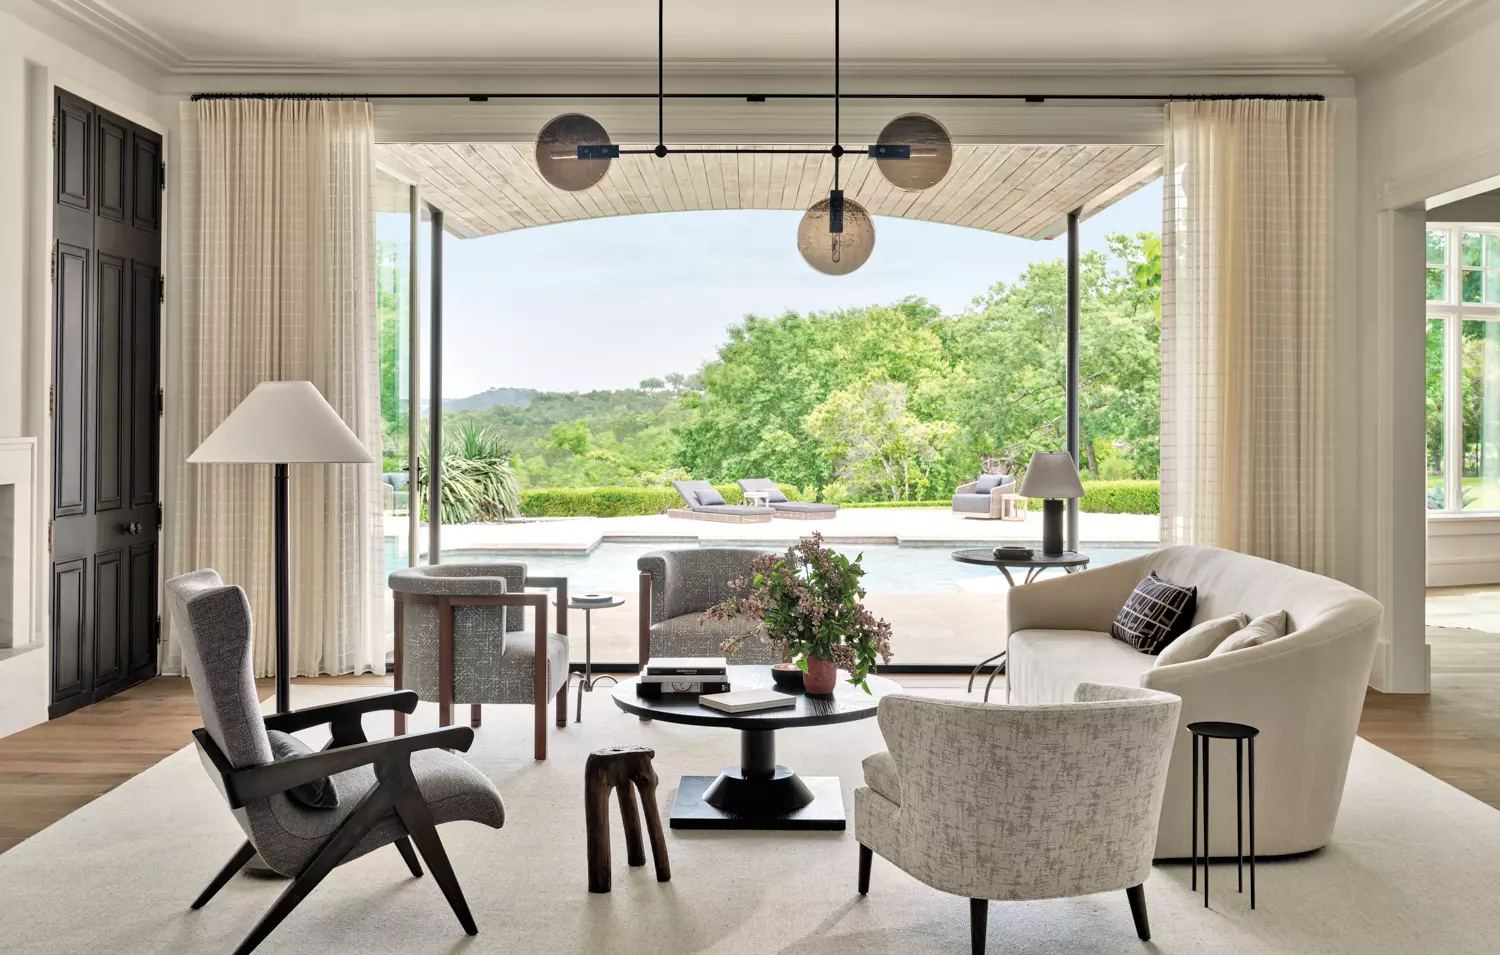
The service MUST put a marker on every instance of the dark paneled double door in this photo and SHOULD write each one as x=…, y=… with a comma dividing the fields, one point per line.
x=106, y=348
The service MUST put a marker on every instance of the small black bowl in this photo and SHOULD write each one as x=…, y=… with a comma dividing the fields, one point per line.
x=787, y=675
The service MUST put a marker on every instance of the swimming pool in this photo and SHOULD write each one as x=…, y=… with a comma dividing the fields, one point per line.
x=889, y=568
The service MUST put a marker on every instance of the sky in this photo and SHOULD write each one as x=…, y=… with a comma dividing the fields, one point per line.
x=605, y=303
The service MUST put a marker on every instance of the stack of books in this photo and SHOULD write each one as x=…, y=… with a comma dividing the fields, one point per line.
x=749, y=701
x=683, y=675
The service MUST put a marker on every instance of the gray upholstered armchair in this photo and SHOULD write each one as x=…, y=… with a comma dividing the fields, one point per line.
x=676, y=587
x=1015, y=803
x=390, y=791
x=984, y=497
x=461, y=637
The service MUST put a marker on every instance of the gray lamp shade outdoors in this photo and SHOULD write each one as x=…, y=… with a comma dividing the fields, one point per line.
x=1051, y=475
x=282, y=422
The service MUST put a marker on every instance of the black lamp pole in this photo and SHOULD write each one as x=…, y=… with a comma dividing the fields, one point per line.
x=283, y=598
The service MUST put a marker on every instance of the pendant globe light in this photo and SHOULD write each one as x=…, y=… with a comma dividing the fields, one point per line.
x=833, y=247
x=930, y=153
x=558, y=156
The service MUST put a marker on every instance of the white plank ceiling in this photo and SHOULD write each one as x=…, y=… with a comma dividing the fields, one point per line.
x=489, y=188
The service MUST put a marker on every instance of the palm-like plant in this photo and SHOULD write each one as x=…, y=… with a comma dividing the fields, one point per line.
x=478, y=482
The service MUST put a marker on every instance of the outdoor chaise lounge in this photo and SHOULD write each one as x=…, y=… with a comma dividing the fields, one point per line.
x=796, y=510
x=984, y=498
x=704, y=503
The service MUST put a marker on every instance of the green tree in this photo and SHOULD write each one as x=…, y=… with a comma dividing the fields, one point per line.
x=652, y=384
x=572, y=436
x=876, y=444
x=751, y=418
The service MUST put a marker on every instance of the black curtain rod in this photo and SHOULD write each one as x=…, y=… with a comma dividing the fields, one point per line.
x=763, y=97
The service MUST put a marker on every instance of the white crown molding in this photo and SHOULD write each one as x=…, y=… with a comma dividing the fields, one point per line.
x=1421, y=31
x=113, y=26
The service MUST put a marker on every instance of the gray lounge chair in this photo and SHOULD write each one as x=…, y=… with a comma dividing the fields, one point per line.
x=796, y=510
x=704, y=503
x=983, y=498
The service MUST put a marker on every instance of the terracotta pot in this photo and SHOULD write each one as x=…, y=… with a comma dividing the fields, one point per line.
x=821, y=677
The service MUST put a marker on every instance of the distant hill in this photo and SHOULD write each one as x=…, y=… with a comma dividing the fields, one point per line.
x=493, y=398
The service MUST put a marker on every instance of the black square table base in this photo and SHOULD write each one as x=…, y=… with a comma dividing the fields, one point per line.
x=825, y=812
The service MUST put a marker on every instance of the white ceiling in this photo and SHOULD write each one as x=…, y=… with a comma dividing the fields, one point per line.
x=188, y=35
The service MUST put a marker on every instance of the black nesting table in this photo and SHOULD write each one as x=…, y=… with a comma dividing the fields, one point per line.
x=759, y=794
x=1069, y=561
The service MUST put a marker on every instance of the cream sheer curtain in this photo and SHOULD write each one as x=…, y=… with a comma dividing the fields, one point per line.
x=1247, y=319
x=278, y=260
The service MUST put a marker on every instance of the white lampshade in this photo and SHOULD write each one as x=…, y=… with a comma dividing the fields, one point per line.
x=1051, y=475
x=282, y=422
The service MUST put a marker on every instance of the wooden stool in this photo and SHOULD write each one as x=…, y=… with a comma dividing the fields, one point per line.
x=619, y=768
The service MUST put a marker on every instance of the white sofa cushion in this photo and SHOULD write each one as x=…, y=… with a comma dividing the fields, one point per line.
x=1046, y=666
x=1201, y=640
x=1261, y=630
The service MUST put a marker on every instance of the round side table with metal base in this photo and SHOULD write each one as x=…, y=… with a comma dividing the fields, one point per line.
x=587, y=681
x=1070, y=561
x=1243, y=736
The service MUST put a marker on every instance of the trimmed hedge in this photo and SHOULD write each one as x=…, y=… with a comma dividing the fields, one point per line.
x=1100, y=497
x=1119, y=497
x=618, y=501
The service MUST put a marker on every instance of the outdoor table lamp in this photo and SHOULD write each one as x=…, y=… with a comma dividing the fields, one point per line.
x=281, y=423
x=1052, y=476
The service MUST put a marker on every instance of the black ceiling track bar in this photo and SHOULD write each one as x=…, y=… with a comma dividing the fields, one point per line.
x=766, y=97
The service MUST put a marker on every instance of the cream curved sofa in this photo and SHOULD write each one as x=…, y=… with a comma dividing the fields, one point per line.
x=1304, y=691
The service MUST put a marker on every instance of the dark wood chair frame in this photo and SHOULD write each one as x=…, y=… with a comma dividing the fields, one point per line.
x=979, y=909
x=395, y=791
x=445, y=605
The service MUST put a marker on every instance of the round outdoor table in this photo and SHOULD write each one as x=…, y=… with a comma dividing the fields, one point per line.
x=759, y=794
x=1070, y=561
x=587, y=682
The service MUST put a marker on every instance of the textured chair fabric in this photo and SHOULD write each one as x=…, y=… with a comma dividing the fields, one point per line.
x=1020, y=802
x=214, y=626
x=492, y=653
x=1303, y=691
x=685, y=583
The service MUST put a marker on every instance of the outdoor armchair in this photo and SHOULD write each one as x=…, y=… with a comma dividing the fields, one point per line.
x=984, y=497
x=390, y=791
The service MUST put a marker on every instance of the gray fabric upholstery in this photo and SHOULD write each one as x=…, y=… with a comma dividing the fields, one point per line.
x=492, y=654
x=214, y=621
x=690, y=580
x=214, y=625
x=775, y=495
x=466, y=580
x=685, y=583
x=988, y=482
x=805, y=507
x=1020, y=802
x=971, y=503
x=703, y=497
x=690, y=635
x=970, y=499
x=742, y=510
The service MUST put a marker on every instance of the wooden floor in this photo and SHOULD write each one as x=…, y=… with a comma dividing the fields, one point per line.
x=50, y=770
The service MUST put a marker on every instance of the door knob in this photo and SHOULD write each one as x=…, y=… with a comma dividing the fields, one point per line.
x=134, y=527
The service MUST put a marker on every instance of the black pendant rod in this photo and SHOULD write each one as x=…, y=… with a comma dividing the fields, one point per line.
x=661, y=88
x=765, y=97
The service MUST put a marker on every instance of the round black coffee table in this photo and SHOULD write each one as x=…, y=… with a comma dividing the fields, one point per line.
x=1070, y=561
x=759, y=794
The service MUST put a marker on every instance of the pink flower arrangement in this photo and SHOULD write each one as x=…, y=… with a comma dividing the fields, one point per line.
x=807, y=604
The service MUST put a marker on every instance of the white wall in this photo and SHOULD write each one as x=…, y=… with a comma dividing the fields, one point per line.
x=31, y=64
x=1427, y=126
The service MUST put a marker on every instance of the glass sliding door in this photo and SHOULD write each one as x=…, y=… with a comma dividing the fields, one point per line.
x=394, y=281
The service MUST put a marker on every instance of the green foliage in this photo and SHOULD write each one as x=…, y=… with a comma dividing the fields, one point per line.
x=652, y=384
x=878, y=445
x=619, y=501
x=478, y=481
x=1118, y=497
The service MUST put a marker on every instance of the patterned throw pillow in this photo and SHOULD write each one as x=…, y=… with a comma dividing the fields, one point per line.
x=1157, y=612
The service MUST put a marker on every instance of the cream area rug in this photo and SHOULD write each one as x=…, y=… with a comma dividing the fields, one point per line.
x=1412, y=869
x=1477, y=611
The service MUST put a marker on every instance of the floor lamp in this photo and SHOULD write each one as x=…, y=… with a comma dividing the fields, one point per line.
x=282, y=423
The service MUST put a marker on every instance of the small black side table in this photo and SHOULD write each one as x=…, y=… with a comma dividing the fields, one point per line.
x=587, y=680
x=1070, y=561
x=1243, y=736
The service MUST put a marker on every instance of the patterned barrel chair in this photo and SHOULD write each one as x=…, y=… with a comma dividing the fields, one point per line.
x=677, y=586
